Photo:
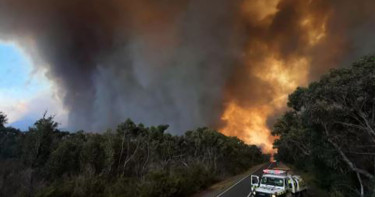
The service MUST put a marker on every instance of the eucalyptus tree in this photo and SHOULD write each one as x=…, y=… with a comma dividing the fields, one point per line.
x=3, y=119
x=333, y=121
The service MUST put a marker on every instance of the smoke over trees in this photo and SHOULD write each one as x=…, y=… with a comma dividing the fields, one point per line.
x=186, y=62
x=158, y=62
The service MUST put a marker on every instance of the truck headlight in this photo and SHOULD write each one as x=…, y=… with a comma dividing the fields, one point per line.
x=254, y=192
x=273, y=195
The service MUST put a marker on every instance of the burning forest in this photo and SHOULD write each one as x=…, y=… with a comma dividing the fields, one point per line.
x=228, y=85
x=229, y=65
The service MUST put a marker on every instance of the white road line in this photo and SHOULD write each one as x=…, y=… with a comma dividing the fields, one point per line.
x=269, y=165
x=240, y=181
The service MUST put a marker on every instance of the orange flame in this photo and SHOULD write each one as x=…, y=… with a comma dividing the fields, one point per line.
x=250, y=124
x=283, y=74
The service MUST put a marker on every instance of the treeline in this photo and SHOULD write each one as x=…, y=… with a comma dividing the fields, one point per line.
x=330, y=130
x=132, y=160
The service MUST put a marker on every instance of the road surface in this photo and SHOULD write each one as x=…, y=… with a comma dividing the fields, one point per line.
x=242, y=188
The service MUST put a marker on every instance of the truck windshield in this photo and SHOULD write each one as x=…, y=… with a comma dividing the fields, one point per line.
x=272, y=181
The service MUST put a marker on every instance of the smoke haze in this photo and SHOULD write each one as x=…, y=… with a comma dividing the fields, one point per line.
x=187, y=63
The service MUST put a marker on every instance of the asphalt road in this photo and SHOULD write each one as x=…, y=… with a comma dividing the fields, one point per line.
x=242, y=188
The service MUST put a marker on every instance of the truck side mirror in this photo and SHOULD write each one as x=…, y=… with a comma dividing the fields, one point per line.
x=254, y=180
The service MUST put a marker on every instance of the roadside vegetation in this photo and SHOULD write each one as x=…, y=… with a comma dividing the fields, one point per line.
x=132, y=160
x=329, y=131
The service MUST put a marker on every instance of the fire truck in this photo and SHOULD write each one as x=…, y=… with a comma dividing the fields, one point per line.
x=277, y=183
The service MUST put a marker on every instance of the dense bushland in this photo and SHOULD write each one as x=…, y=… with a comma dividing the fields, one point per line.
x=329, y=130
x=132, y=160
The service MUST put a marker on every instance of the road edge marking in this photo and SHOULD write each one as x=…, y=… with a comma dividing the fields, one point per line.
x=240, y=181
x=269, y=165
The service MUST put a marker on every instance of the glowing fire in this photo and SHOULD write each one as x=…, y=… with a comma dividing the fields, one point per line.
x=250, y=124
x=315, y=32
x=282, y=73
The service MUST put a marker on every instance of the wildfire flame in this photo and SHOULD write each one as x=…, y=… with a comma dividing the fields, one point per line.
x=283, y=74
x=234, y=60
x=250, y=124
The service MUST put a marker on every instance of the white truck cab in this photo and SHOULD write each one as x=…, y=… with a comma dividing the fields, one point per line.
x=276, y=183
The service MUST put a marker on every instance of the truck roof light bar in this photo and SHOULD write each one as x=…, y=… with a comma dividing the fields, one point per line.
x=276, y=172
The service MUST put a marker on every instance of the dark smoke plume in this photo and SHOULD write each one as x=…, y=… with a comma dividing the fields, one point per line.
x=155, y=62
x=179, y=62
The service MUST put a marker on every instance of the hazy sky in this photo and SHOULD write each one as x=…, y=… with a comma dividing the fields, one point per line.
x=24, y=92
x=184, y=63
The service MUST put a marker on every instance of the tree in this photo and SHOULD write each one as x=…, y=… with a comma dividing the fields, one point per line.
x=3, y=119
x=39, y=141
x=333, y=122
x=65, y=160
x=134, y=160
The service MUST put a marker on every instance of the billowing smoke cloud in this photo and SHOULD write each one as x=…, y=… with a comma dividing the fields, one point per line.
x=291, y=42
x=187, y=63
x=155, y=62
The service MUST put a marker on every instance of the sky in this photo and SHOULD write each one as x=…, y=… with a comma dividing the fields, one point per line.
x=187, y=64
x=25, y=93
